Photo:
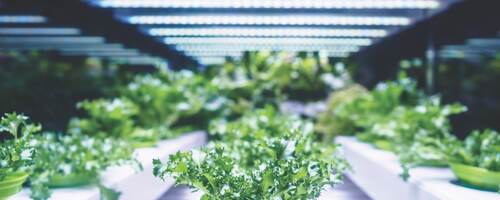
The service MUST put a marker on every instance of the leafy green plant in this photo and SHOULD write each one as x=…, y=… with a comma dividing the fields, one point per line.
x=270, y=77
x=480, y=149
x=75, y=155
x=329, y=123
x=364, y=111
x=106, y=118
x=155, y=99
x=260, y=123
x=418, y=133
x=172, y=101
x=17, y=153
x=259, y=156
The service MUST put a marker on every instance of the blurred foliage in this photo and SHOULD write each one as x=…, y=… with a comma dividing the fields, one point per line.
x=472, y=82
x=330, y=124
x=479, y=149
x=47, y=87
x=269, y=77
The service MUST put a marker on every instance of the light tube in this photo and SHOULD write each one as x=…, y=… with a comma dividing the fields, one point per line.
x=101, y=54
x=270, y=20
x=22, y=19
x=39, y=31
x=255, y=47
x=268, y=41
x=268, y=32
x=43, y=40
x=279, y=4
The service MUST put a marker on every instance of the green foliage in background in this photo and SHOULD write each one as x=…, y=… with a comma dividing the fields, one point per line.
x=46, y=86
x=111, y=118
x=329, y=123
x=270, y=77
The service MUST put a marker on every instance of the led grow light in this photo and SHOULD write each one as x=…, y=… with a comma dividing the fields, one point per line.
x=257, y=47
x=63, y=46
x=213, y=53
x=22, y=19
x=103, y=51
x=44, y=40
x=39, y=31
x=101, y=54
x=268, y=32
x=270, y=20
x=268, y=41
x=287, y=4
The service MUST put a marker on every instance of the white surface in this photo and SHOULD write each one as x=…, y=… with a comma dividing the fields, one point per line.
x=308, y=109
x=377, y=172
x=133, y=185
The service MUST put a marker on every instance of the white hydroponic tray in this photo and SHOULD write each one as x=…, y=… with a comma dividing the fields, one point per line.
x=377, y=172
x=132, y=185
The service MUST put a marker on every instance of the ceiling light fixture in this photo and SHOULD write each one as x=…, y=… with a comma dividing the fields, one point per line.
x=270, y=20
x=279, y=4
x=268, y=32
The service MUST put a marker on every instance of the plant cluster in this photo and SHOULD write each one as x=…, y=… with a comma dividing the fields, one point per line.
x=111, y=117
x=331, y=124
x=416, y=128
x=74, y=154
x=269, y=77
x=260, y=156
x=152, y=107
x=479, y=149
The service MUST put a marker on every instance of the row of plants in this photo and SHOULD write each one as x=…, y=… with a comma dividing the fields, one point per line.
x=397, y=117
x=52, y=160
x=164, y=105
x=149, y=108
x=255, y=152
x=269, y=77
x=152, y=107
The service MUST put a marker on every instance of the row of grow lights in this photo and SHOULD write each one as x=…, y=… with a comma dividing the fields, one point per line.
x=35, y=32
x=228, y=28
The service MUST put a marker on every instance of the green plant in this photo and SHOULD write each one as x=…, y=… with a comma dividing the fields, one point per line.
x=418, y=133
x=262, y=155
x=480, y=149
x=270, y=77
x=363, y=112
x=260, y=123
x=155, y=99
x=106, y=118
x=76, y=155
x=329, y=123
x=16, y=154
x=173, y=100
